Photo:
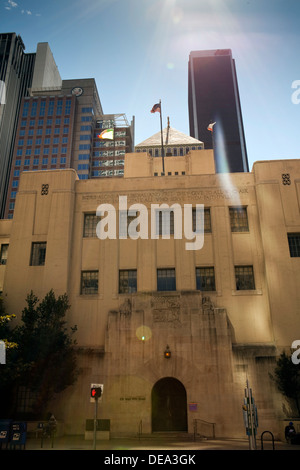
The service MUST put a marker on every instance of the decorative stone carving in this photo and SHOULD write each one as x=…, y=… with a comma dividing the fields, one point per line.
x=166, y=310
x=207, y=305
x=45, y=189
x=286, y=179
x=125, y=308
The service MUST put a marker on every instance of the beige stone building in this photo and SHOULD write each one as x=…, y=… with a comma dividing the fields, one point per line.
x=224, y=311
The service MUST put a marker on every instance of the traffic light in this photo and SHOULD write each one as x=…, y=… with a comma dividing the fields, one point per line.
x=96, y=392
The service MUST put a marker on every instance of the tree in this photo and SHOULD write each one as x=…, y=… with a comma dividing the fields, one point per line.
x=45, y=360
x=287, y=379
x=4, y=329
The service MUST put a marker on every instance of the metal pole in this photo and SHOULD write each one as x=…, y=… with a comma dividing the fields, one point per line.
x=252, y=441
x=162, y=142
x=95, y=423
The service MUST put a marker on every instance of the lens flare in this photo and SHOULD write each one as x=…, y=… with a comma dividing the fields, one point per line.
x=143, y=333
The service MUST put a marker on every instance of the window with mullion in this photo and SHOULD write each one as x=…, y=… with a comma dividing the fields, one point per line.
x=38, y=254
x=238, y=219
x=127, y=281
x=90, y=224
x=89, y=282
x=205, y=279
x=294, y=244
x=244, y=278
x=166, y=280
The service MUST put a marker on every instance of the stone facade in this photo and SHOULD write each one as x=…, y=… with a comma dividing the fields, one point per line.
x=218, y=338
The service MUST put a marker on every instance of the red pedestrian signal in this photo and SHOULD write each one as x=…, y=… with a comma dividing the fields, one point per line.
x=96, y=392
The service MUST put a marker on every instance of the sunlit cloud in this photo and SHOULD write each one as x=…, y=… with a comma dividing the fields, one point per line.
x=10, y=5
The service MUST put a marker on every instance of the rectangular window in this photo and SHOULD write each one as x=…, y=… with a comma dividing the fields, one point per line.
x=59, y=108
x=3, y=253
x=166, y=280
x=90, y=224
x=42, y=109
x=124, y=224
x=207, y=220
x=25, y=109
x=87, y=110
x=85, y=137
x=164, y=222
x=205, y=279
x=244, y=278
x=238, y=219
x=51, y=108
x=68, y=107
x=127, y=281
x=294, y=244
x=33, y=109
x=38, y=254
x=89, y=282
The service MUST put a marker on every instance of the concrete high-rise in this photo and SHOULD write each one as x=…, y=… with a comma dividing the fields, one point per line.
x=213, y=96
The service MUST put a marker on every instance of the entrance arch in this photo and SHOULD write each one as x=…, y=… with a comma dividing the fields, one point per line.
x=169, y=406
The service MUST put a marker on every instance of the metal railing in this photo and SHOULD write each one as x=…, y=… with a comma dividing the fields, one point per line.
x=140, y=429
x=204, y=429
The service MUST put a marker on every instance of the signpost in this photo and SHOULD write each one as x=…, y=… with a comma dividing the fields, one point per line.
x=250, y=417
x=96, y=393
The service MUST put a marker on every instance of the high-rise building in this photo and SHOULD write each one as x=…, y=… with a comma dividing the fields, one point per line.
x=19, y=71
x=213, y=96
x=59, y=128
x=16, y=71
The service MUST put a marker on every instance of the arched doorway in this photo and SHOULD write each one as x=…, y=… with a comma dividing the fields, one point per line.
x=169, y=406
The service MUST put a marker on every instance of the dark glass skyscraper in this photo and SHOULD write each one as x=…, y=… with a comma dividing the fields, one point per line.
x=16, y=72
x=213, y=96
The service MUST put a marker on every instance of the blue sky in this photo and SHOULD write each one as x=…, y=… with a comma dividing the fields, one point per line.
x=138, y=50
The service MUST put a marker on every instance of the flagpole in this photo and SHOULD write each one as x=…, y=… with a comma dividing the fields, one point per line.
x=162, y=141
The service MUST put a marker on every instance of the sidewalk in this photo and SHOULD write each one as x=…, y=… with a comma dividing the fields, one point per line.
x=73, y=443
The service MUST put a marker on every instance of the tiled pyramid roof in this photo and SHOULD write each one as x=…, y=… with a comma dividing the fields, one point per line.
x=170, y=137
